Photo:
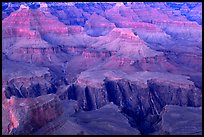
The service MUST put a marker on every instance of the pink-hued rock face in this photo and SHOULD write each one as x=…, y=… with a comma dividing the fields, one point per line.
x=21, y=22
x=65, y=64
x=27, y=115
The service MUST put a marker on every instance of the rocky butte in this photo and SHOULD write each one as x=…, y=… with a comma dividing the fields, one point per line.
x=101, y=68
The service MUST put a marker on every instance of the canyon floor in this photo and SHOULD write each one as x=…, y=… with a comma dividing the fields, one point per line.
x=101, y=68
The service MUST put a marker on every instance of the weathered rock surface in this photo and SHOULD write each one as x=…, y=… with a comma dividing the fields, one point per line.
x=140, y=95
x=178, y=120
x=28, y=115
x=25, y=80
x=143, y=57
x=105, y=121
x=62, y=124
x=97, y=25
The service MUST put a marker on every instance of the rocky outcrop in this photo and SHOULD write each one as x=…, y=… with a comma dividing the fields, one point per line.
x=138, y=99
x=179, y=94
x=118, y=14
x=25, y=80
x=88, y=98
x=143, y=102
x=33, y=28
x=28, y=115
x=63, y=125
x=97, y=25
x=41, y=55
x=107, y=120
x=135, y=48
x=33, y=22
x=33, y=87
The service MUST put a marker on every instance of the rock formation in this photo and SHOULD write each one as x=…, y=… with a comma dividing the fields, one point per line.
x=188, y=121
x=28, y=115
x=101, y=68
x=105, y=121
x=97, y=25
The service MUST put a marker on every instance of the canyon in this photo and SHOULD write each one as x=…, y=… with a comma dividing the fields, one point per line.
x=101, y=68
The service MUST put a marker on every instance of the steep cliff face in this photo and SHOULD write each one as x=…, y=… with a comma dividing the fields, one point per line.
x=181, y=94
x=120, y=93
x=139, y=100
x=33, y=87
x=28, y=115
x=107, y=120
x=88, y=98
x=25, y=80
